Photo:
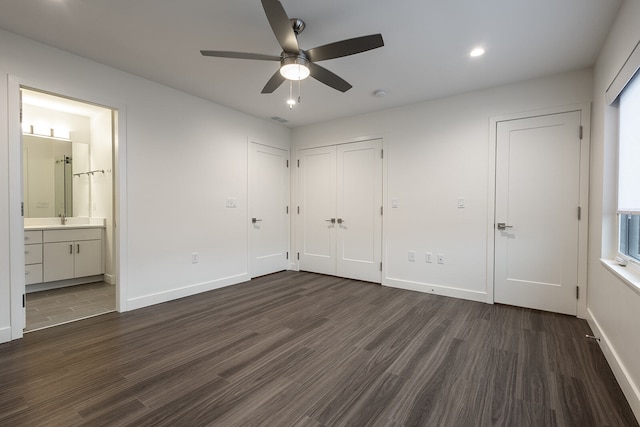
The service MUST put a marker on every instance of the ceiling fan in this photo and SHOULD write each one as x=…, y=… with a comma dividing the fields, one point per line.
x=296, y=63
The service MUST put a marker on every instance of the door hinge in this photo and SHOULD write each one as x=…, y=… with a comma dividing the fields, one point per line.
x=21, y=208
x=298, y=255
x=287, y=163
x=287, y=209
x=580, y=131
x=298, y=162
x=381, y=210
x=577, y=292
x=579, y=213
x=380, y=266
x=24, y=300
x=287, y=255
x=382, y=153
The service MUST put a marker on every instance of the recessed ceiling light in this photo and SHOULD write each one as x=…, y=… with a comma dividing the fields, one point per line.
x=477, y=52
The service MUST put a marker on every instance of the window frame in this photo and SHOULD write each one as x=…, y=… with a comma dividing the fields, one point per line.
x=624, y=217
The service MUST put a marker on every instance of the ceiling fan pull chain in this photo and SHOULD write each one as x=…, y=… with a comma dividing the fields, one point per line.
x=299, y=92
x=290, y=101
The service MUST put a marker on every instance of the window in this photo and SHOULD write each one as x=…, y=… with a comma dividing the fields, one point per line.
x=629, y=170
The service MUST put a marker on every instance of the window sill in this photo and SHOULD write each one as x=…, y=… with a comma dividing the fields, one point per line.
x=629, y=274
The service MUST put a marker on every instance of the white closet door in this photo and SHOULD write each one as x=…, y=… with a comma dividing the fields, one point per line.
x=268, y=195
x=340, y=219
x=317, y=202
x=537, y=226
x=359, y=216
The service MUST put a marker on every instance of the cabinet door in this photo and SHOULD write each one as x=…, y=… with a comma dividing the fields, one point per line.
x=88, y=258
x=58, y=261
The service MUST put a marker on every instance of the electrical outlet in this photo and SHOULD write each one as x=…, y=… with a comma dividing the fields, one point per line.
x=412, y=256
x=194, y=257
x=428, y=257
x=440, y=258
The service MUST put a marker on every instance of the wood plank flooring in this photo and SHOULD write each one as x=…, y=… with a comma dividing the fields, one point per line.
x=62, y=305
x=301, y=349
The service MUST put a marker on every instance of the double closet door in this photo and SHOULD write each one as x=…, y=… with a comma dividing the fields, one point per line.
x=340, y=210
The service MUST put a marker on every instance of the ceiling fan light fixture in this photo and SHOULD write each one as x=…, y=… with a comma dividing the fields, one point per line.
x=295, y=68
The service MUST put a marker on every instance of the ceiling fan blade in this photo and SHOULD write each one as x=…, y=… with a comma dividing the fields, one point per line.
x=327, y=77
x=274, y=82
x=239, y=55
x=281, y=25
x=345, y=47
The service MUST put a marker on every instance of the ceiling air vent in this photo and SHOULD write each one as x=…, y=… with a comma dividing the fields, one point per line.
x=279, y=119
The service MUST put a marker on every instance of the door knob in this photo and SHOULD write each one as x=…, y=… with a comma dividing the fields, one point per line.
x=340, y=220
x=332, y=220
x=254, y=220
x=503, y=226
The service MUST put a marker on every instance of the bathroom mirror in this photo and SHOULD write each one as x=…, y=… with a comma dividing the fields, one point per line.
x=49, y=184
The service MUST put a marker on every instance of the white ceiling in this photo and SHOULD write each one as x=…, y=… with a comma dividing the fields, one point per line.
x=425, y=54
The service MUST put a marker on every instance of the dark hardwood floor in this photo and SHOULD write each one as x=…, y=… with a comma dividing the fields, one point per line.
x=301, y=349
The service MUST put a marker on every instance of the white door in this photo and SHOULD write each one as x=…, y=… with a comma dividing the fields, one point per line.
x=317, y=215
x=537, y=224
x=340, y=210
x=359, y=215
x=268, y=209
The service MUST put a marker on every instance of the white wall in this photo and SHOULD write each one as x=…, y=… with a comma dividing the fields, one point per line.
x=184, y=157
x=101, y=158
x=436, y=152
x=613, y=306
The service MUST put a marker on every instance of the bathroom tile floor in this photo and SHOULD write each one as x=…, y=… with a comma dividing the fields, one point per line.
x=63, y=305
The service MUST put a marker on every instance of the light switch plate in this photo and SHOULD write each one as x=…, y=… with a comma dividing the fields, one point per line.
x=232, y=202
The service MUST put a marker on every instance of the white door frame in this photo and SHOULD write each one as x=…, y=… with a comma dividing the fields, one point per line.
x=585, y=110
x=16, y=222
x=249, y=202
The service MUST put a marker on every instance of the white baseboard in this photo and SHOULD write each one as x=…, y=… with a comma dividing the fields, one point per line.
x=629, y=388
x=110, y=279
x=5, y=334
x=185, y=291
x=435, y=289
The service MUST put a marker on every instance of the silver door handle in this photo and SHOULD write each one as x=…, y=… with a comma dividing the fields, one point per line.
x=332, y=220
x=340, y=220
x=254, y=220
x=503, y=226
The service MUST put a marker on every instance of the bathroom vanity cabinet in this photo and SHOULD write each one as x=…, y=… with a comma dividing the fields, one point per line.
x=55, y=255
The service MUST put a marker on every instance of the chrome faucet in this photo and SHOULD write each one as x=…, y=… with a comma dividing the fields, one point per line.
x=63, y=219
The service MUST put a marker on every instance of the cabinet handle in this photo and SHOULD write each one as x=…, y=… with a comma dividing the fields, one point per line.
x=71, y=249
x=78, y=247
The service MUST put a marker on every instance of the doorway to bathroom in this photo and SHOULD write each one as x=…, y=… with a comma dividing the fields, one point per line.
x=68, y=209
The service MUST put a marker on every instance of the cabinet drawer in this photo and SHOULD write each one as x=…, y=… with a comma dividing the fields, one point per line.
x=32, y=236
x=75, y=234
x=33, y=274
x=33, y=254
